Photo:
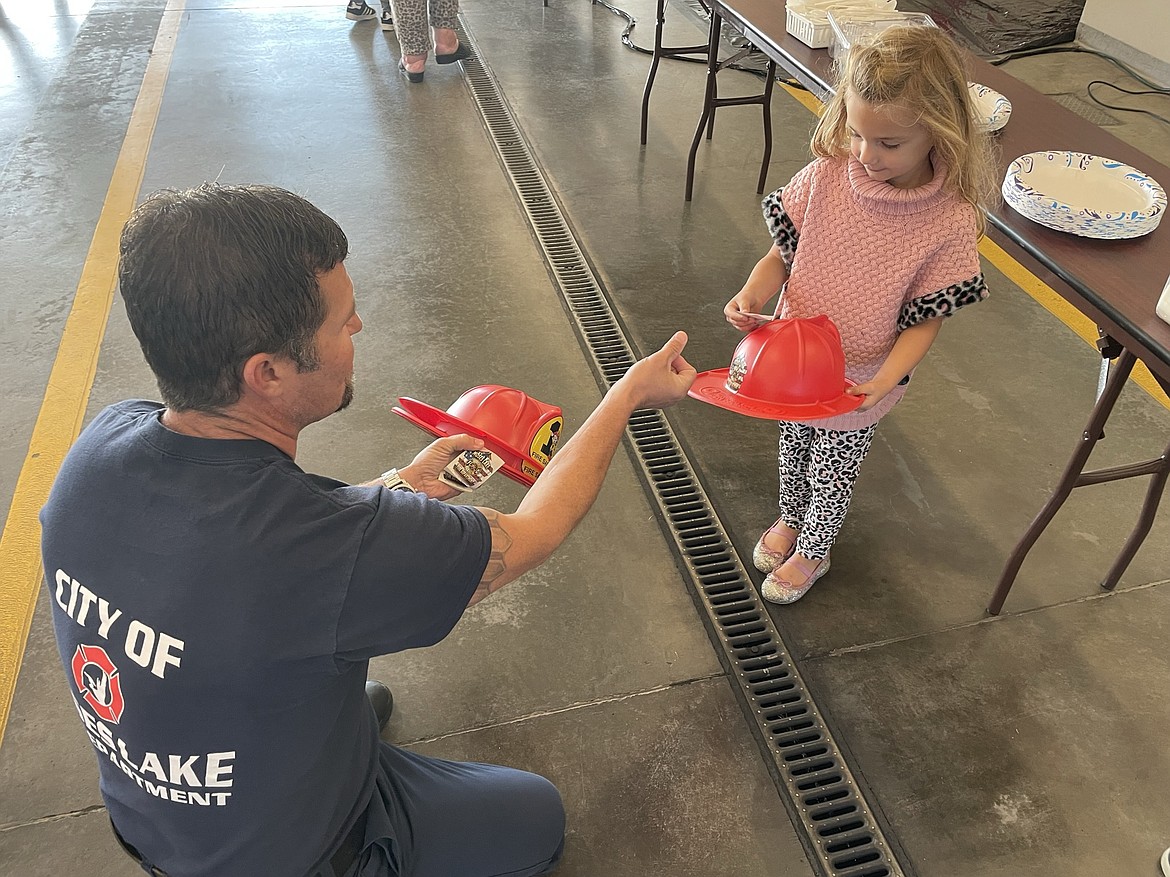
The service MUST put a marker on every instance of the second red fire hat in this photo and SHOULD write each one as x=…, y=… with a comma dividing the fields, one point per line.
x=522, y=431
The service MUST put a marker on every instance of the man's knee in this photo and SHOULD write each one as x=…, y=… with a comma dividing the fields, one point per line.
x=540, y=812
x=545, y=811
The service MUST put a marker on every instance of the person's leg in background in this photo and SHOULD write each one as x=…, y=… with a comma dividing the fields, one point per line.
x=410, y=22
x=444, y=17
x=360, y=10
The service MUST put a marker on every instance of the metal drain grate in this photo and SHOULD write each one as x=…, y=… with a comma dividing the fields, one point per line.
x=822, y=794
x=1085, y=110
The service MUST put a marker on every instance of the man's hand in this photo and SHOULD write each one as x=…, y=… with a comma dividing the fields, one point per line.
x=423, y=472
x=661, y=378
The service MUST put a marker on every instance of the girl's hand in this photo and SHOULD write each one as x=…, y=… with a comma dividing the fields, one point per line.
x=766, y=279
x=741, y=312
x=872, y=391
x=909, y=349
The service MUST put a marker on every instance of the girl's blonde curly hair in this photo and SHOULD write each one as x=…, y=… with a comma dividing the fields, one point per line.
x=921, y=70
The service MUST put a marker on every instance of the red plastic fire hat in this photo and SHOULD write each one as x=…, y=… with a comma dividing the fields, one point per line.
x=790, y=369
x=523, y=431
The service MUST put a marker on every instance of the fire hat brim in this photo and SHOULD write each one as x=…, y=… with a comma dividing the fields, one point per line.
x=439, y=423
x=711, y=387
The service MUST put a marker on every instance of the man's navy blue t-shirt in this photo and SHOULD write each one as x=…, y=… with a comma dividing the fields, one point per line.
x=215, y=608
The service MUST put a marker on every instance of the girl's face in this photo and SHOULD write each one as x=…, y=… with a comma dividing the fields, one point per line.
x=888, y=140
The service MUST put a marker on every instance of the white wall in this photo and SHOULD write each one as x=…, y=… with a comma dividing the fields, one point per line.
x=1141, y=25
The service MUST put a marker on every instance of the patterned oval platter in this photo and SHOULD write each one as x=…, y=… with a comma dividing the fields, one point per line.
x=992, y=109
x=1085, y=195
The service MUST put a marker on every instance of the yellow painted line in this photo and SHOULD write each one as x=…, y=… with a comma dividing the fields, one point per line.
x=71, y=379
x=807, y=98
x=1059, y=307
x=1045, y=295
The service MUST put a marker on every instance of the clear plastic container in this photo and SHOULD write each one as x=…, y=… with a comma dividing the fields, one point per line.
x=849, y=30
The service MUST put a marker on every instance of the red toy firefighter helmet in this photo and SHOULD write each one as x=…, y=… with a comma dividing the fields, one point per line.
x=523, y=431
x=790, y=369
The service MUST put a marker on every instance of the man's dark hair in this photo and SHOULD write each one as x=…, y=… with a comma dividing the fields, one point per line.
x=213, y=275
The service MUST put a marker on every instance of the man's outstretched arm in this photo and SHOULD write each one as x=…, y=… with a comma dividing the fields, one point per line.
x=568, y=486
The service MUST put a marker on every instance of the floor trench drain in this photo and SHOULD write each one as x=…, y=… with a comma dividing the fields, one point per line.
x=821, y=792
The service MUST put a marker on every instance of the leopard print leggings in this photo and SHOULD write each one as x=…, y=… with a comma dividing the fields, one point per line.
x=412, y=18
x=818, y=468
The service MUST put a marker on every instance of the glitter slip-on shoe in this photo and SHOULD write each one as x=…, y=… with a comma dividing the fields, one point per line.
x=767, y=559
x=777, y=590
x=461, y=52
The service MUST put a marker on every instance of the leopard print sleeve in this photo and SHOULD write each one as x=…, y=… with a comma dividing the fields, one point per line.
x=781, y=227
x=943, y=303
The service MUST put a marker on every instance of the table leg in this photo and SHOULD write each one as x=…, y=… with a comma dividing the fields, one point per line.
x=1072, y=478
x=708, y=97
x=1160, y=469
x=767, y=125
x=714, y=90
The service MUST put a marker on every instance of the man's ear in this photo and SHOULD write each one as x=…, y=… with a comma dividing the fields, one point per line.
x=263, y=374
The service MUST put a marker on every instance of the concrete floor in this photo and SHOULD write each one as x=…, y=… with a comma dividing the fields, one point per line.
x=1023, y=745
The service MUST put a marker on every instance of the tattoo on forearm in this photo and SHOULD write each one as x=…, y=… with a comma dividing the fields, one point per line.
x=497, y=563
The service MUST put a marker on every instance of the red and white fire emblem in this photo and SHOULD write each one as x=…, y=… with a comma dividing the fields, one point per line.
x=97, y=682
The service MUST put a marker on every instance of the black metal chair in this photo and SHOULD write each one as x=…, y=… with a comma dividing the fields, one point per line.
x=660, y=52
x=711, y=102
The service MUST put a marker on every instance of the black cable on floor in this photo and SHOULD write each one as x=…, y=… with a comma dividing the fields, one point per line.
x=1153, y=91
x=1152, y=88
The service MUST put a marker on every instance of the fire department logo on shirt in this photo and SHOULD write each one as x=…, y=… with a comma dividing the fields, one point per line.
x=97, y=682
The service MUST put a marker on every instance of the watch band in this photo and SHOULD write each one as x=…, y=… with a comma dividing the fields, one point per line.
x=393, y=481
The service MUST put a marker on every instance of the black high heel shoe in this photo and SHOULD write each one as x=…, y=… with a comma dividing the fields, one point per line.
x=461, y=53
x=411, y=77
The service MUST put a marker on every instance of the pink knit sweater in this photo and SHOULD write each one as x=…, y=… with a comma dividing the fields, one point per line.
x=875, y=258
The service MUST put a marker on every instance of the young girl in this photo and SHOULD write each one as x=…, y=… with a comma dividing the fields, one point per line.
x=880, y=233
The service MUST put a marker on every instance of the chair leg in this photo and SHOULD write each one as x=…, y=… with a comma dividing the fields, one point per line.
x=661, y=18
x=708, y=99
x=707, y=110
x=646, y=97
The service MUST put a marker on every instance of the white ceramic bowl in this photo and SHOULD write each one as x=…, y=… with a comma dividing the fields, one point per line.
x=992, y=109
x=1084, y=194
